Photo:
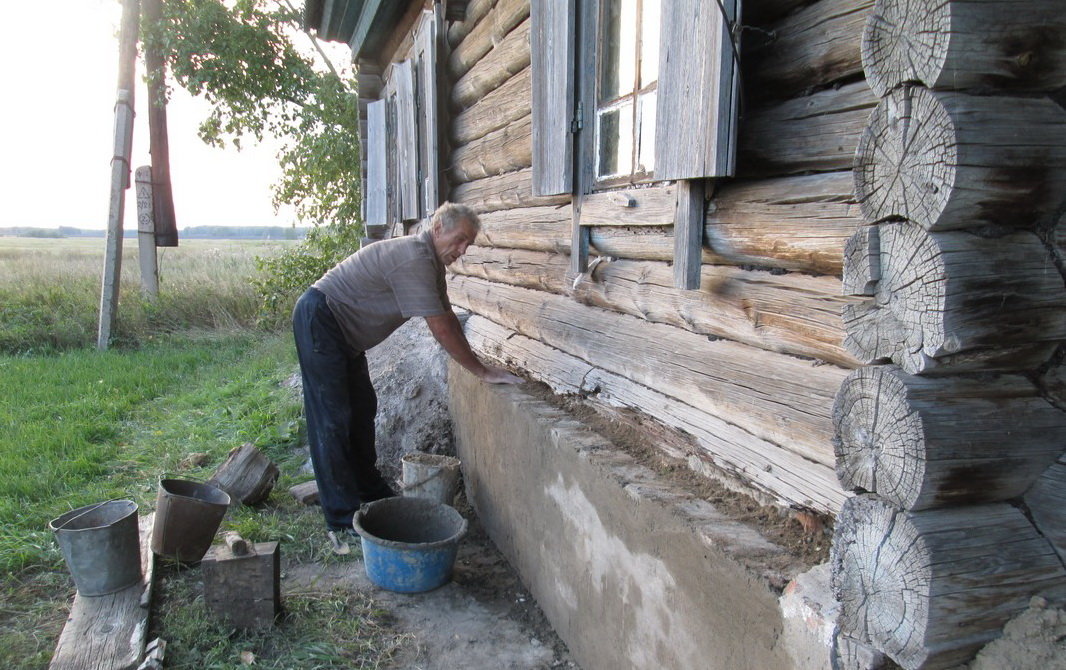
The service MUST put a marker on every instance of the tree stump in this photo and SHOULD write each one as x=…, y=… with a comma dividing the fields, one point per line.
x=921, y=442
x=1010, y=45
x=931, y=588
x=247, y=475
x=952, y=301
x=948, y=160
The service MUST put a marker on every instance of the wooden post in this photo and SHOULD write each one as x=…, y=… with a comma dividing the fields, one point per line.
x=146, y=234
x=688, y=233
x=120, y=171
x=166, y=228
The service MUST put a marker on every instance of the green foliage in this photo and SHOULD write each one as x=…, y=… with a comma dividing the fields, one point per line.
x=241, y=58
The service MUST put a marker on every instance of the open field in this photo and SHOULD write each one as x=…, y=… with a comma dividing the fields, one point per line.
x=50, y=291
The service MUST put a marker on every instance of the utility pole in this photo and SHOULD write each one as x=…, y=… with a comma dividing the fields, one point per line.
x=120, y=170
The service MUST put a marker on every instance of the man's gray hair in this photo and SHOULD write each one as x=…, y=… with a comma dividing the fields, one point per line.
x=449, y=214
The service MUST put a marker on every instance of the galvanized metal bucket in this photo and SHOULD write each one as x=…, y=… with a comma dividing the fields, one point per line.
x=101, y=545
x=431, y=476
x=187, y=516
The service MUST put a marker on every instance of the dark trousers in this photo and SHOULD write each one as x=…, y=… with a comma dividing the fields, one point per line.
x=339, y=405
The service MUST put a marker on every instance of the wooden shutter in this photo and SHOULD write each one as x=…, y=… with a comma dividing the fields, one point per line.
x=552, y=43
x=406, y=140
x=377, y=212
x=695, y=134
x=424, y=55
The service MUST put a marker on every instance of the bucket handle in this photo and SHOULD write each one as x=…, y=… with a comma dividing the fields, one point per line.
x=91, y=509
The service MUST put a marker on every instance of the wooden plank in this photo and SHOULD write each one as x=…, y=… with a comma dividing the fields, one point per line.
x=109, y=632
x=424, y=57
x=377, y=173
x=688, y=234
x=789, y=313
x=552, y=44
x=760, y=465
x=579, y=240
x=776, y=397
x=407, y=141
x=696, y=109
x=653, y=206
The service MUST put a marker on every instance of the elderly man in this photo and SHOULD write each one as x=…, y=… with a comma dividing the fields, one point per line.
x=350, y=309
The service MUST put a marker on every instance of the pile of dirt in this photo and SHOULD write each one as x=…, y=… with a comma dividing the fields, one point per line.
x=1033, y=640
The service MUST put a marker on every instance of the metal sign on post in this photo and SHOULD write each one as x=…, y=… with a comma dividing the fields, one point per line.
x=146, y=233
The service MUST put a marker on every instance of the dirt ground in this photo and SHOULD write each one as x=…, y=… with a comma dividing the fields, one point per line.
x=483, y=618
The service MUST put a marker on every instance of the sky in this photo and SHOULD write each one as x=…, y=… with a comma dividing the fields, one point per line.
x=59, y=69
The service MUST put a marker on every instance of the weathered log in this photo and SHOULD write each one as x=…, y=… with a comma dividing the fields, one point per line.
x=921, y=442
x=815, y=133
x=763, y=466
x=794, y=314
x=475, y=11
x=1046, y=502
x=816, y=46
x=990, y=45
x=948, y=160
x=776, y=397
x=508, y=58
x=509, y=102
x=862, y=262
x=764, y=12
x=952, y=301
x=486, y=35
x=505, y=191
x=505, y=150
x=930, y=588
x=796, y=223
x=247, y=476
x=306, y=493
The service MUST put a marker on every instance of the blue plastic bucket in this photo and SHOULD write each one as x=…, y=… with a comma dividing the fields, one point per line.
x=409, y=544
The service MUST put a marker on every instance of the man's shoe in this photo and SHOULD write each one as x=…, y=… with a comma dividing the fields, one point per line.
x=338, y=540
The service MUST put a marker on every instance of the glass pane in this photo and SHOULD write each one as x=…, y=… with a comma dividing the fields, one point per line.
x=618, y=41
x=614, y=140
x=646, y=133
x=649, y=41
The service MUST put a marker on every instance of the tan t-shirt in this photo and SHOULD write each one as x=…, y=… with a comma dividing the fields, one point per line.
x=375, y=290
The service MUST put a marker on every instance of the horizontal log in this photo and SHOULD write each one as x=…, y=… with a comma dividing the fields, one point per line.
x=949, y=160
x=764, y=12
x=486, y=35
x=652, y=206
x=814, y=47
x=930, y=588
x=796, y=223
x=475, y=11
x=763, y=466
x=508, y=58
x=505, y=191
x=794, y=314
x=952, y=301
x=505, y=150
x=920, y=442
x=815, y=133
x=776, y=397
x=1046, y=502
x=994, y=45
x=509, y=102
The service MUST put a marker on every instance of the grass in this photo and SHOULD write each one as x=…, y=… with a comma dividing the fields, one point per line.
x=79, y=426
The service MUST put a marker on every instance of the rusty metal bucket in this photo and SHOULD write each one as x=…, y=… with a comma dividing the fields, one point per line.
x=187, y=516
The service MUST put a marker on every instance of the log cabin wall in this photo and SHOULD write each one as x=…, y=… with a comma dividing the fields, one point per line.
x=744, y=370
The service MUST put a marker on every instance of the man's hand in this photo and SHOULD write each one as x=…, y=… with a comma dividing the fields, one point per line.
x=495, y=375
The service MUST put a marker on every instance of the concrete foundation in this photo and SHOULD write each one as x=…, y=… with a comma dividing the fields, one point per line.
x=631, y=572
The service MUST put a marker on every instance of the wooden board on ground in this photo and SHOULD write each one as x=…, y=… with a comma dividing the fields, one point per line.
x=109, y=632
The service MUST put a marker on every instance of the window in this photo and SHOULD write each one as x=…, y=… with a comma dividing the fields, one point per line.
x=626, y=80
